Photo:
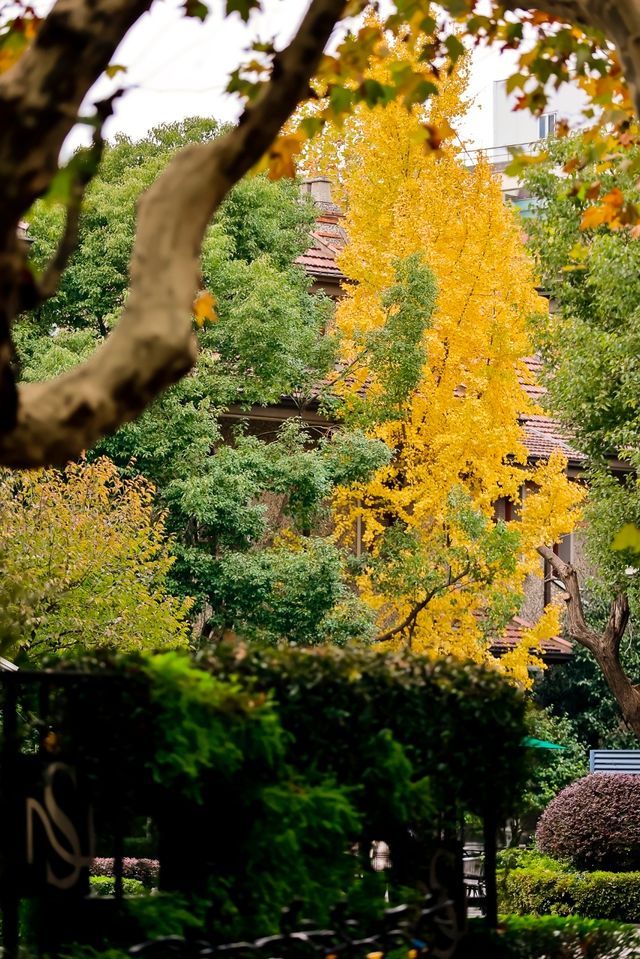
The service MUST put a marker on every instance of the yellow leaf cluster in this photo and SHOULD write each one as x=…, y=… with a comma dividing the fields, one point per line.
x=461, y=434
x=84, y=560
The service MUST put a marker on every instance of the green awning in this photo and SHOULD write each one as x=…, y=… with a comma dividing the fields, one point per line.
x=540, y=743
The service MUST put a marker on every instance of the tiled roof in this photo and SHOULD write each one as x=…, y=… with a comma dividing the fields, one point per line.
x=551, y=649
x=321, y=261
x=329, y=239
x=543, y=434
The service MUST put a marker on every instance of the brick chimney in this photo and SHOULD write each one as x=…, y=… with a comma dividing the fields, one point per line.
x=319, y=187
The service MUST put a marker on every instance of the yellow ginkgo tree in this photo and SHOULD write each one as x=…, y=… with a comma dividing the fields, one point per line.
x=442, y=572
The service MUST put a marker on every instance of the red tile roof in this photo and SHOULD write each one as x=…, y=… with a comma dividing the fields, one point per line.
x=543, y=434
x=320, y=261
x=550, y=649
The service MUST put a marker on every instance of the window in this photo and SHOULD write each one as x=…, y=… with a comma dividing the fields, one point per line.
x=546, y=125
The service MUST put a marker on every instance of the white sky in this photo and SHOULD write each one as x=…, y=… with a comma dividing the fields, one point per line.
x=179, y=67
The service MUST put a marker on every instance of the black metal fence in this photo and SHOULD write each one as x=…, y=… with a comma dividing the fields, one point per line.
x=53, y=798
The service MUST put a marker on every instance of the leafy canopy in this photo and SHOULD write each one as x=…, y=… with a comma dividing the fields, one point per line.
x=84, y=562
x=440, y=571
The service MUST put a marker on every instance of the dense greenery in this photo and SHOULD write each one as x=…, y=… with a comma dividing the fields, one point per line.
x=84, y=562
x=550, y=937
x=596, y=895
x=272, y=763
x=576, y=692
x=551, y=769
x=230, y=495
x=590, y=343
x=593, y=276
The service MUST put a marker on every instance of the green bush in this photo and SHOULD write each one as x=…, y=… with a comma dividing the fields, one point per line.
x=515, y=858
x=550, y=937
x=262, y=769
x=595, y=895
x=106, y=886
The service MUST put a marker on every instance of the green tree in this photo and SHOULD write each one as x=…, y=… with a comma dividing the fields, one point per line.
x=230, y=495
x=551, y=769
x=84, y=562
x=590, y=346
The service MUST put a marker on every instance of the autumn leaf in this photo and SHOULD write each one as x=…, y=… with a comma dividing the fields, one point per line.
x=521, y=161
x=204, y=308
x=610, y=211
x=113, y=69
x=280, y=158
x=627, y=538
x=615, y=198
x=595, y=216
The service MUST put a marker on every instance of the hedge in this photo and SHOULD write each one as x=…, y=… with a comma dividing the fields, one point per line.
x=147, y=871
x=550, y=937
x=105, y=886
x=596, y=895
x=261, y=768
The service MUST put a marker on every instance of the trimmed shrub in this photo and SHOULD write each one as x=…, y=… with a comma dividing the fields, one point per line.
x=514, y=858
x=594, y=823
x=260, y=769
x=146, y=871
x=595, y=895
x=549, y=937
x=106, y=886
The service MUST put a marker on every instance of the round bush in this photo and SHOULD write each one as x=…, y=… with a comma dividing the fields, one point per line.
x=595, y=823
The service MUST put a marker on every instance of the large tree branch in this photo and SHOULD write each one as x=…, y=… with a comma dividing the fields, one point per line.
x=566, y=573
x=412, y=616
x=40, y=96
x=604, y=647
x=153, y=344
x=619, y=20
x=36, y=291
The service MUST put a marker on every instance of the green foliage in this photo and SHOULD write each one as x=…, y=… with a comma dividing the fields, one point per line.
x=552, y=769
x=166, y=914
x=84, y=562
x=292, y=593
x=207, y=723
x=230, y=514
x=591, y=343
x=228, y=494
x=595, y=895
x=578, y=690
x=516, y=858
x=379, y=710
x=396, y=353
x=262, y=768
x=549, y=937
x=106, y=886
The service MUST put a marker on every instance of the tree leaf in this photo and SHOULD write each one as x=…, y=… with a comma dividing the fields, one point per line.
x=280, y=159
x=114, y=68
x=627, y=538
x=243, y=7
x=204, y=308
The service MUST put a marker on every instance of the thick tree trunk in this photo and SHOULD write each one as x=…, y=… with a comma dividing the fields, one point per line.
x=605, y=646
x=153, y=344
